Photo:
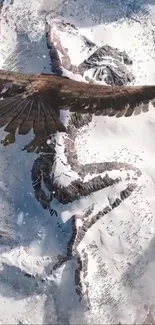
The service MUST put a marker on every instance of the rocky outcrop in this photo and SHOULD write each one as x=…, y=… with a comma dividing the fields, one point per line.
x=109, y=64
x=102, y=64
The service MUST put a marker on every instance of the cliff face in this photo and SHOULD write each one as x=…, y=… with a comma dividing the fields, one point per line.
x=94, y=63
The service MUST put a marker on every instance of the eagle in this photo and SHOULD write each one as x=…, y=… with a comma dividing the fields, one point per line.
x=34, y=101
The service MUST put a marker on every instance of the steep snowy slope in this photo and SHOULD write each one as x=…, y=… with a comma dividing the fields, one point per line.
x=98, y=242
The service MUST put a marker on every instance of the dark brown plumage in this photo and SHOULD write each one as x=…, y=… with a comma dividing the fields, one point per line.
x=34, y=102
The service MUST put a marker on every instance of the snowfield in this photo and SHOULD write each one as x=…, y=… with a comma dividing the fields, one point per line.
x=106, y=225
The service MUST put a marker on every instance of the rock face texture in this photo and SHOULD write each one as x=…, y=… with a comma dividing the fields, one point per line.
x=107, y=65
x=102, y=64
x=96, y=209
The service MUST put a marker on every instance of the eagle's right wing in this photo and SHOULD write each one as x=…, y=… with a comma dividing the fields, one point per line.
x=106, y=100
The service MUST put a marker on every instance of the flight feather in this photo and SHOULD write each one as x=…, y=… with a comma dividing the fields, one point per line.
x=33, y=102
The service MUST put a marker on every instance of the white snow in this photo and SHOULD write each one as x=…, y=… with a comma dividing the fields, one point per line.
x=127, y=232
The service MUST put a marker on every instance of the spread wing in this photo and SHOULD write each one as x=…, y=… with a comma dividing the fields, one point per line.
x=108, y=101
x=22, y=113
x=24, y=107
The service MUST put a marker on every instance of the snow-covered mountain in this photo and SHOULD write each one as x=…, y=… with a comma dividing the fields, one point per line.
x=77, y=218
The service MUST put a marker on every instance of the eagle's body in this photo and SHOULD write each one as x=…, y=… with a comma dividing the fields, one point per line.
x=34, y=101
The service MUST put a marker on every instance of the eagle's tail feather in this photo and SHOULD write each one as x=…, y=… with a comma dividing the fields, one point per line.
x=39, y=121
x=59, y=125
x=26, y=123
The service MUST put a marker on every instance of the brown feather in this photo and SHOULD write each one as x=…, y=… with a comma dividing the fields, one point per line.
x=34, y=101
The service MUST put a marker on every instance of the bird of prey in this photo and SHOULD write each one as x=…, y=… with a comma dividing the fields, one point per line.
x=33, y=102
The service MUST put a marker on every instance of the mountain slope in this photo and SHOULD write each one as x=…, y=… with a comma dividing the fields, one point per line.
x=98, y=242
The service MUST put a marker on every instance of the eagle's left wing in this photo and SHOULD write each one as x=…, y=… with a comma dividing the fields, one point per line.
x=23, y=108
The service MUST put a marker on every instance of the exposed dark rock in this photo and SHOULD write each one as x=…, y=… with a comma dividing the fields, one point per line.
x=78, y=235
x=110, y=65
x=78, y=189
x=107, y=63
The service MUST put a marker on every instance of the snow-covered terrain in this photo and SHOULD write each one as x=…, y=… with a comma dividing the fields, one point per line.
x=87, y=257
